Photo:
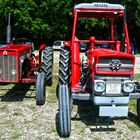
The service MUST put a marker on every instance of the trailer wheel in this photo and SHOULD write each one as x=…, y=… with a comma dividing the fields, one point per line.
x=47, y=64
x=64, y=111
x=40, y=89
x=138, y=110
x=64, y=66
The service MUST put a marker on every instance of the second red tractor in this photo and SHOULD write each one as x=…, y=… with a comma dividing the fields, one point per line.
x=104, y=75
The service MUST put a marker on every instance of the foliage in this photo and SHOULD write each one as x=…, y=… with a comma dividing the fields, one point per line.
x=47, y=19
x=50, y=19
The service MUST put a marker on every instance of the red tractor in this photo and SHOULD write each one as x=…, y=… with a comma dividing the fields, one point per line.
x=19, y=64
x=104, y=75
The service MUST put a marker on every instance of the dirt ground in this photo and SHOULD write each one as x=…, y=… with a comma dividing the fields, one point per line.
x=21, y=119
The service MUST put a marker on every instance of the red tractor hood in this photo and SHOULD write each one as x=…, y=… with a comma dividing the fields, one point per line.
x=15, y=47
x=110, y=62
x=109, y=53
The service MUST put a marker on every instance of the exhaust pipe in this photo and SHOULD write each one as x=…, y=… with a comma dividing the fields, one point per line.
x=8, y=38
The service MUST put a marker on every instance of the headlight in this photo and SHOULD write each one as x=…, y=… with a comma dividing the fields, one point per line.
x=128, y=86
x=99, y=86
x=13, y=72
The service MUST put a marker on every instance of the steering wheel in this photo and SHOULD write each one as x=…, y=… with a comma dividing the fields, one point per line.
x=22, y=41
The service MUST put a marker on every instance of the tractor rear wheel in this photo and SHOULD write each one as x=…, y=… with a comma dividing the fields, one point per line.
x=40, y=89
x=138, y=110
x=64, y=111
x=64, y=66
x=47, y=64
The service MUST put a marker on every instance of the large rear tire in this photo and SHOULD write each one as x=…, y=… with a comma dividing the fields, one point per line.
x=138, y=110
x=64, y=111
x=40, y=89
x=64, y=66
x=47, y=64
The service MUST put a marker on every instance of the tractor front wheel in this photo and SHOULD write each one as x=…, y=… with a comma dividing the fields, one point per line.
x=40, y=89
x=138, y=110
x=64, y=111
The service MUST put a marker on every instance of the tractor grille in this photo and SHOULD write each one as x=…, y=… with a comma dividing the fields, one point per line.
x=8, y=68
x=115, y=64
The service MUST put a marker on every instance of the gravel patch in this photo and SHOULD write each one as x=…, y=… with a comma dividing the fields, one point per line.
x=21, y=119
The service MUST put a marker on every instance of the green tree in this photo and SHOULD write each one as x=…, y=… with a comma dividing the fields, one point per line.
x=49, y=19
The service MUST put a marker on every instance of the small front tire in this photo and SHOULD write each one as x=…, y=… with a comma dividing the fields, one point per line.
x=64, y=111
x=40, y=89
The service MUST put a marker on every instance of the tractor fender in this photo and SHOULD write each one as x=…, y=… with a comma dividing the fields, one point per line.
x=42, y=46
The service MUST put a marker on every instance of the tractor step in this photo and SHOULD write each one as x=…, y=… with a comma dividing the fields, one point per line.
x=134, y=95
x=113, y=111
x=81, y=96
x=28, y=80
